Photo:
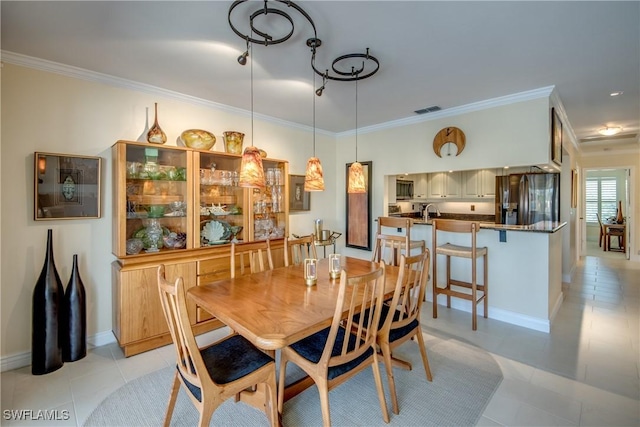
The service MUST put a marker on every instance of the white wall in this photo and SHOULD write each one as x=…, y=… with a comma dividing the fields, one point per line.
x=49, y=112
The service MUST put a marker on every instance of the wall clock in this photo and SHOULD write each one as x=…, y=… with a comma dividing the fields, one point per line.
x=448, y=140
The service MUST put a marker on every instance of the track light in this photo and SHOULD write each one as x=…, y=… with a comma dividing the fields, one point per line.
x=242, y=59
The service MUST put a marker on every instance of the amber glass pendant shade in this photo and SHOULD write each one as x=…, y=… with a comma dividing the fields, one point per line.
x=251, y=171
x=313, y=179
x=356, y=179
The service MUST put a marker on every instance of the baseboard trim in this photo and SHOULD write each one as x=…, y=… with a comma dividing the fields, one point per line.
x=518, y=319
x=20, y=360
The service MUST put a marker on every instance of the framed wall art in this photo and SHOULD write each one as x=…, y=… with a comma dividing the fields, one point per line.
x=66, y=186
x=299, y=200
x=556, y=137
x=359, y=212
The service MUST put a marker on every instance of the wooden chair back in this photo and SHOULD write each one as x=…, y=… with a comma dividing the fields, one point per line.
x=173, y=300
x=297, y=249
x=251, y=254
x=357, y=294
x=601, y=230
x=456, y=226
x=410, y=289
x=387, y=247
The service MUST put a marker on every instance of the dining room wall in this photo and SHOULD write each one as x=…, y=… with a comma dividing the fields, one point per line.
x=77, y=112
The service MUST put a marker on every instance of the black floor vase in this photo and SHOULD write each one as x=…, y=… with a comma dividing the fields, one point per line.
x=48, y=313
x=75, y=343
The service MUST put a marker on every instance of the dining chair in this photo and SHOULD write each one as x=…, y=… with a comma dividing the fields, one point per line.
x=601, y=230
x=335, y=354
x=400, y=319
x=388, y=247
x=212, y=374
x=255, y=253
x=299, y=248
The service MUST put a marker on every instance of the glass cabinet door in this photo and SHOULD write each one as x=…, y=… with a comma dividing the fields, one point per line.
x=269, y=206
x=156, y=190
x=219, y=199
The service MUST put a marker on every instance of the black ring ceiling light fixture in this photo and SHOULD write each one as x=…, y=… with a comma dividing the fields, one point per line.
x=370, y=64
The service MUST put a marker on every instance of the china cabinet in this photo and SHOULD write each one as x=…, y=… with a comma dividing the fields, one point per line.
x=182, y=207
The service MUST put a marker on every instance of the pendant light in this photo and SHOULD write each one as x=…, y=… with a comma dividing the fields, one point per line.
x=356, y=174
x=251, y=171
x=313, y=177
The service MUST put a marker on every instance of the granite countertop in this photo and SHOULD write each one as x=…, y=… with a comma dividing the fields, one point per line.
x=539, y=227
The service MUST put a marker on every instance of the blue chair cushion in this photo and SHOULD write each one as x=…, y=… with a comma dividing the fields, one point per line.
x=394, y=334
x=311, y=348
x=228, y=361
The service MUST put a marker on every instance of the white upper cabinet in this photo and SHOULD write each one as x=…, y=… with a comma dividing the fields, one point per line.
x=445, y=184
x=479, y=183
x=420, y=186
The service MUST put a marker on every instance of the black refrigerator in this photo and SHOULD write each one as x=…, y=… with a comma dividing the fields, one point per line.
x=527, y=198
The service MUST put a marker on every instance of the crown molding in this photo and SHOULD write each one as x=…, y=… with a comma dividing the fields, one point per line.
x=543, y=92
x=93, y=76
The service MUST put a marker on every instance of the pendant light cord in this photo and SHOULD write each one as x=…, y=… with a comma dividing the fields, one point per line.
x=251, y=66
x=313, y=93
x=356, y=114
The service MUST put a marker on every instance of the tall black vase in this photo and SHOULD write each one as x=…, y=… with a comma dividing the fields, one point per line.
x=48, y=312
x=75, y=343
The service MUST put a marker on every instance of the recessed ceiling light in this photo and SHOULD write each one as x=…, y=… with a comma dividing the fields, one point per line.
x=618, y=93
x=506, y=167
x=609, y=130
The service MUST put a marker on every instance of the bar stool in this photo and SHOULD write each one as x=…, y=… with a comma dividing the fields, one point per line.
x=392, y=242
x=473, y=253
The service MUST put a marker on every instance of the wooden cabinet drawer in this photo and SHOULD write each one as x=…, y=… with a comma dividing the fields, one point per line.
x=214, y=268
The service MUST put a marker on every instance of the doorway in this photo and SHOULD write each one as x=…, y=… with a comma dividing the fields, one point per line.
x=605, y=192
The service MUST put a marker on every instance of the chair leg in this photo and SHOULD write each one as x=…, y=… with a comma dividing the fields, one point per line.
x=386, y=354
x=423, y=352
x=474, y=295
x=208, y=406
x=486, y=287
x=323, y=391
x=376, y=376
x=172, y=400
x=281, y=380
x=448, y=281
x=434, y=286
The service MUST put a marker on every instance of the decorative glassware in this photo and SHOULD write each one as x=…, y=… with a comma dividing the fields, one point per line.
x=235, y=230
x=134, y=246
x=156, y=135
x=334, y=266
x=154, y=234
x=233, y=142
x=310, y=271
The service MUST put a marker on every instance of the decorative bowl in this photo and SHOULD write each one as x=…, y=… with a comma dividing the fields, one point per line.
x=134, y=246
x=198, y=139
x=175, y=240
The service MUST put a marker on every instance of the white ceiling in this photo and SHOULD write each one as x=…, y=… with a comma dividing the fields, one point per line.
x=448, y=54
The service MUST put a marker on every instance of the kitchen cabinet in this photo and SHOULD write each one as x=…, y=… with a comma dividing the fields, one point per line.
x=185, y=206
x=479, y=183
x=445, y=184
x=420, y=190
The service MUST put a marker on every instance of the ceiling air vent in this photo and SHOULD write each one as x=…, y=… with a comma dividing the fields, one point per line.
x=428, y=110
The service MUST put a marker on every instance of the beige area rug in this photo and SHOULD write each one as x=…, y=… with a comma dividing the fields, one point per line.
x=464, y=380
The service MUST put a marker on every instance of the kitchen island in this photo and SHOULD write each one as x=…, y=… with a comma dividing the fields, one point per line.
x=525, y=270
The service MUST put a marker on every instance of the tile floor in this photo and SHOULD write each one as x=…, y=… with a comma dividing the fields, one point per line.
x=585, y=372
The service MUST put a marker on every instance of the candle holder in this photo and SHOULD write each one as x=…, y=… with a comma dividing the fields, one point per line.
x=334, y=266
x=310, y=271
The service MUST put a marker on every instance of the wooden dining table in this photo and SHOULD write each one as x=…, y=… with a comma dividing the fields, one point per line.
x=275, y=308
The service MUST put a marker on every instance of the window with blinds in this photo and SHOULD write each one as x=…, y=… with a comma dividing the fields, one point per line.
x=601, y=196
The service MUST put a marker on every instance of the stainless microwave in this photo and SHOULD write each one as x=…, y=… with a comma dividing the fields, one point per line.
x=404, y=189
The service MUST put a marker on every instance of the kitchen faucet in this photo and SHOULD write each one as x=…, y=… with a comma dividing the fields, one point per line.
x=425, y=212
